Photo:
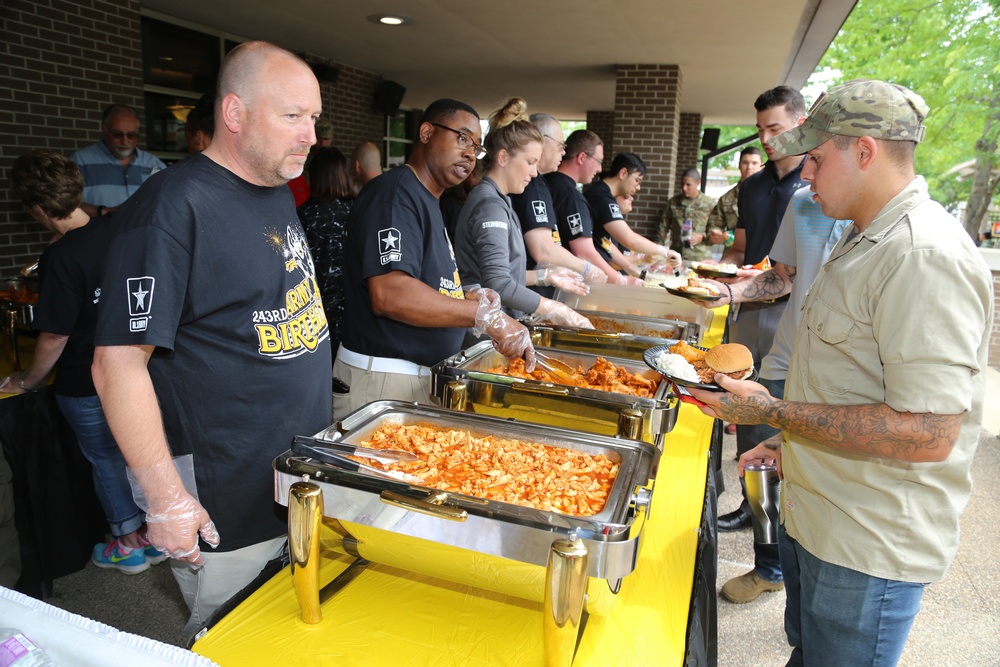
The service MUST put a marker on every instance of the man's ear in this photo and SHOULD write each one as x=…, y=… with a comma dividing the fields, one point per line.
x=232, y=112
x=425, y=132
x=623, y=173
x=867, y=151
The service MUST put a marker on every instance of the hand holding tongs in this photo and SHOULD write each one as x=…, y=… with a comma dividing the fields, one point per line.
x=334, y=453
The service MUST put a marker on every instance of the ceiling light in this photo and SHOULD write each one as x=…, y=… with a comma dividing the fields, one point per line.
x=391, y=19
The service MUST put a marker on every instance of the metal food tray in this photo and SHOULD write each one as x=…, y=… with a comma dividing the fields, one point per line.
x=621, y=336
x=557, y=405
x=501, y=529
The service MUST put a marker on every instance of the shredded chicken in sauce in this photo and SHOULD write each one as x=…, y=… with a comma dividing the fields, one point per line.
x=502, y=469
x=602, y=376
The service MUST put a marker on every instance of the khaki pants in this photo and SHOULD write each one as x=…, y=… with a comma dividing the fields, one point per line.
x=368, y=386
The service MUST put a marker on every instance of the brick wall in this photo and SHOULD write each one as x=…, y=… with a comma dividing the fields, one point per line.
x=61, y=64
x=647, y=122
x=347, y=104
x=603, y=124
x=688, y=146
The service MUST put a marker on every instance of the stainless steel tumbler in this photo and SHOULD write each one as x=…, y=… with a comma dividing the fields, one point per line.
x=764, y=496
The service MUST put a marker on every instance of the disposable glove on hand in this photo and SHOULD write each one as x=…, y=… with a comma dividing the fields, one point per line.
x=565, y=279
x=559, y=313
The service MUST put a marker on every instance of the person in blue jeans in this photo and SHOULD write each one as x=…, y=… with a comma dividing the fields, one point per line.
x=51, y=187
x=802, y=244
x=875, y=458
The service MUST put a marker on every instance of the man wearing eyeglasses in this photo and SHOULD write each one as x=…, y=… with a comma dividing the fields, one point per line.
x=537, y=215
x=114, y=167
x=405, y=306
x=580, y=164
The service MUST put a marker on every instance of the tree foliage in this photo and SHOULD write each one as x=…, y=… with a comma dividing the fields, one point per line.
x=946, y=51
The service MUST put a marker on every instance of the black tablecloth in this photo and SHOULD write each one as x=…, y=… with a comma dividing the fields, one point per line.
x=57, y=514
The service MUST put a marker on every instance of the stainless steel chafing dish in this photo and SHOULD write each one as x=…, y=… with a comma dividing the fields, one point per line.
x=619, y=336
x=366, y=509
x=17, y=313
x=460, y=382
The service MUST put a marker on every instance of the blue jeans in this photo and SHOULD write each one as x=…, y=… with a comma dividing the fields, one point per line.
x=837, y=616
x=86, y=417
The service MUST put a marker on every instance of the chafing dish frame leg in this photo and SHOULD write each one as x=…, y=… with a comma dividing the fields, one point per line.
x=456, y=395
x=565, y=598
x=305, y=512
x=630, y=423
x=10, y=335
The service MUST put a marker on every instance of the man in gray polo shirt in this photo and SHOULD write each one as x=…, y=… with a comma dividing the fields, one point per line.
x=882, y=412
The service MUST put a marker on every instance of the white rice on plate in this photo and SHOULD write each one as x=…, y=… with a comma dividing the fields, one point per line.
x=676, y=366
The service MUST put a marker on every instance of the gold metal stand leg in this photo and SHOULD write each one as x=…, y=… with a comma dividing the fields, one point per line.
x=565, y=594
x=305, y=511
x=456, y=395
x=630, y=424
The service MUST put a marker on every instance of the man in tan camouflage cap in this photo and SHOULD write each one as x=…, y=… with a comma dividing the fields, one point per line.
x=881, y=415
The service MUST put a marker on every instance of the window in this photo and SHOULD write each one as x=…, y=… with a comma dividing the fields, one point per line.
x=400, y=133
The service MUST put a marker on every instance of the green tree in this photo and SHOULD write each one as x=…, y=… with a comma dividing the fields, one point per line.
x=946, y=51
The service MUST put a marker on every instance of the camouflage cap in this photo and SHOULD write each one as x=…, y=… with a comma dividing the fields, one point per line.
x=324, y=129
x=859, y=108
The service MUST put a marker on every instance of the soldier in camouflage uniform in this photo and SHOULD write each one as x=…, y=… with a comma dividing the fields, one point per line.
x=694, y=205
x=723, y=217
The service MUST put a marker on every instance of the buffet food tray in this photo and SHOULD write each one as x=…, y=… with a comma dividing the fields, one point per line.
x=577, y=408
x=518, y=533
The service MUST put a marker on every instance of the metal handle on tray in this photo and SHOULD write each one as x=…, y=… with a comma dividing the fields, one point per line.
x=538, y=388
x=440, y=511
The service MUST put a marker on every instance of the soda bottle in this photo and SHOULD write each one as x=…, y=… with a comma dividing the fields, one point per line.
x=16, y=650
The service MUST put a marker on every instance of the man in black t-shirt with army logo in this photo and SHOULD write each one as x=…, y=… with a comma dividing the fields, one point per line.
x=405, y=306
x=212, y=343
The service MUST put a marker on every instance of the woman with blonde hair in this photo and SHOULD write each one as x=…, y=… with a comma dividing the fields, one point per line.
x=489, y=248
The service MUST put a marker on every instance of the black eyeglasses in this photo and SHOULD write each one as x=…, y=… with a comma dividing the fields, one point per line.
x=131, y=136
x=560, y=144
x=599, y=162
x=465, y=141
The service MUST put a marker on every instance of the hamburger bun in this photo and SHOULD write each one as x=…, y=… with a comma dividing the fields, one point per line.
x=732, y=359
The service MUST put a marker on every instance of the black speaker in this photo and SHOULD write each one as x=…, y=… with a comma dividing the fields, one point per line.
x=710, y=139
x=388, y=97
x=325, y=73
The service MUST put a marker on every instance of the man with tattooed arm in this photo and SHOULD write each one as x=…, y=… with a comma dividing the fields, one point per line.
x=881, y=414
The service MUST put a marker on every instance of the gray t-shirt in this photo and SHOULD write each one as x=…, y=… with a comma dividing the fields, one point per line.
x=489, y=248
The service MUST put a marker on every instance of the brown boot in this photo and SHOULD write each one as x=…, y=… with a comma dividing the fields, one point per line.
x=748, y=587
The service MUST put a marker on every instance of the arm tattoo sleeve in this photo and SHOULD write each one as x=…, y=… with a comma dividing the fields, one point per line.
x=766, y=286
x=872, y=430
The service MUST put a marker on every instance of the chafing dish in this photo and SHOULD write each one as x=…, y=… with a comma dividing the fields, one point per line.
x=618, y=336
x=460, y=382
x=646, y=303
x=555, y=551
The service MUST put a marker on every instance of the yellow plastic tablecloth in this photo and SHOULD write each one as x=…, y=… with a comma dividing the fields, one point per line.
x=396, y=618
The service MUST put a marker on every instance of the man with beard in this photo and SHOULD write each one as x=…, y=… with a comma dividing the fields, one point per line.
x=212, y=343
x=404, y=303
x=114, y=167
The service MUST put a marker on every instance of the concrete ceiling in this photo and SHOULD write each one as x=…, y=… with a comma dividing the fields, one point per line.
x=560, y=55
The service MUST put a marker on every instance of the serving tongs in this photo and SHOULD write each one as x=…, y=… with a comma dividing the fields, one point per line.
x=342, y=448
x=303, y=446
x=557, y=368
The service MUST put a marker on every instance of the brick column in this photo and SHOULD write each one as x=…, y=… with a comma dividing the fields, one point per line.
x=688, y=146
x=603, y=123
x=647, y=123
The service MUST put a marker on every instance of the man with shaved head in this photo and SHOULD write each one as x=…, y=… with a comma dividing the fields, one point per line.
x=212, y=343
x=366, y=164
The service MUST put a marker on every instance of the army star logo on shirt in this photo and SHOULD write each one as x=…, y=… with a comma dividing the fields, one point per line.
x=616, y=211
x=140, y=301
x=389, y=245
x=541, y=214
x=575, y=223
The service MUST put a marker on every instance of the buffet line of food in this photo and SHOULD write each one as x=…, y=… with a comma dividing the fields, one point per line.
x=553, y=468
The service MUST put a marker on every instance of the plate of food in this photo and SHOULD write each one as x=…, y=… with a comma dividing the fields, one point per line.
x=696, y=290
x=695, y=366
x=714, y=270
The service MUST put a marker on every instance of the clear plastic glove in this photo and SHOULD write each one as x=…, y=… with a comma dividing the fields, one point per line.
x=594, y=276
x=510, y=337
x=565, y=279
x=174, y=519
x=629, y=281
x=556, y=312
x=673, y=258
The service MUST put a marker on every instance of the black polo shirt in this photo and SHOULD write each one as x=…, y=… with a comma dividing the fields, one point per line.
x=762, y=202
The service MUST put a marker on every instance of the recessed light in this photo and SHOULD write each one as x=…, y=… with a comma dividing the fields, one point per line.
x=391, y=19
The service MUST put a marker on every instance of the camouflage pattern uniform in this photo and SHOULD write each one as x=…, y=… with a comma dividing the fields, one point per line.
x=725, y=214
x=676, y=212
